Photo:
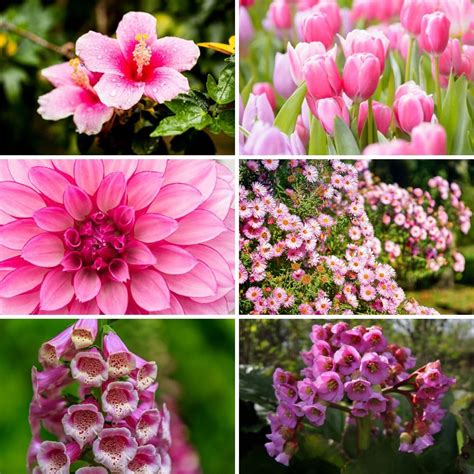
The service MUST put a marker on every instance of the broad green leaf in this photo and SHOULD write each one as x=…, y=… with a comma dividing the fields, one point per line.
x=318, y=143
x=222, y=91
x=288, y=115
x=344, y=140
x=382, y=138
x=192, y=117
x=256, y=387
x=226, y=121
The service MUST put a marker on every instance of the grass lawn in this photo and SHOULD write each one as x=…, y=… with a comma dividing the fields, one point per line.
x=457, y=300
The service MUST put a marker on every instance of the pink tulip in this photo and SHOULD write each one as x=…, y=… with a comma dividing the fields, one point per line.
x=361, y=76
x=371, y=10
x=382, y=116
x=258, y=109
x=469, y=58
x=266, y=140
x=282, y=79
x=265, y=88
x=300, y=53
x=322, y=77
x=454, y=59
x=280, y=15
x=362, y=41
x=412, y=106
x=429, y=139
x=434, y=34
x=326, y=110
x=246, y=30
x=413, y=12
x=332, y=12
x=460, y=14
x=316, y=27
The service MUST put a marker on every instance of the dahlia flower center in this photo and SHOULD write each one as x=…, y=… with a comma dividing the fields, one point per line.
x=78, y=75
x=142, y=53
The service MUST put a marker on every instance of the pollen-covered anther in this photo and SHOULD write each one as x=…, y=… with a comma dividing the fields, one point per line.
x=142, y=53
x=78, y=74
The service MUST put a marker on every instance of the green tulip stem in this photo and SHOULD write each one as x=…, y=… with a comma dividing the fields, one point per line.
x=437, y=85
x=409, y=55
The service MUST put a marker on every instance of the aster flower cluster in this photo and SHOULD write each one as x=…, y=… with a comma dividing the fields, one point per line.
x=357, y=371
x=111, y=421
x=418, y=227
x=308, y=246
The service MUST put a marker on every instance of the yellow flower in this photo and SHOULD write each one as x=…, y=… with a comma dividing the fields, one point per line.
x=3, y=40
x=221, y=47
x=11, y=48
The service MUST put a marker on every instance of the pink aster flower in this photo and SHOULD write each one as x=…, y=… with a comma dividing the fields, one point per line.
x=137, y=63
x=116, y=237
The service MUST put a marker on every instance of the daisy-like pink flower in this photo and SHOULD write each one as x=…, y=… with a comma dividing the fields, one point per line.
x=116, y=237
x=137, y=63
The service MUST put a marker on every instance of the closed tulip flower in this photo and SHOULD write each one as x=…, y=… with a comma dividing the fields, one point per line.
x=282, y=79
x=280, y=15
x=429, y=139
x=413, y=12
x=322, y=77
x=316, y=27
x=326, y=110
x=361, y=76
x=260, y=88
x=453, y=59
x=434, y=34
x=382, y=116
x=298, y=55
x=412, y=107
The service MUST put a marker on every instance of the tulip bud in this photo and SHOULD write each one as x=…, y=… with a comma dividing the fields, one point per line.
x=469, y=61
x=280, y=15
x=429, y=139
x=361, y=76
x=316, y=27
x=332, y=13
x=412, y=106
x=382, y=116
x=322, y=77
x=413, y=12
x=265, y=88
x=282, y=80
x=297, y=57
x=326, y=110
x=434, y=34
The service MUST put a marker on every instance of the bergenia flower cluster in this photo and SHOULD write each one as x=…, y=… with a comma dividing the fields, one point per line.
x=98, y=400
x=308, y=244
x=111, y=75
x=356, y=370
x=116, y=237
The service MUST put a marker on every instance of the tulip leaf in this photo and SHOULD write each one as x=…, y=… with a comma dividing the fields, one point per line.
x=247, y=90
x=344, y=140
x=318, y=144
x=288, y=115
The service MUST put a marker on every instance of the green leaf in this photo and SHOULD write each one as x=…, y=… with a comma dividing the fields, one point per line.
x=226, y=121
x=223, y=91
x=191, y=117
x=318, y=143
x=344, y=140
x=13, y=78
x=288, y=115
x=247, y=90
x=256, y=386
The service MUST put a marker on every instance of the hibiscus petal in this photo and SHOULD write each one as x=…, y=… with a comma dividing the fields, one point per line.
x=154, y=227
x=56, y=291
x=139, y=254
x=20, y=304
x=133, y=24
x=166, y=84
x=221, y=199
x=77, y=203
x=61, y=102
x=53, y=219
x=19, y=169
x=149, y=290
x=21, y=280
x=176, y=53
x=196, y=228
x=44, y=250
x=86, y=284
x=90, y=117
x=199, y=282
x=176, y=200
x=100, y=53
x=59, y=74
x=127, y=167
x=19, y=200
x=15, y=234
x=143, y=188
x=51, y=183
x=119, y=92
x=111, y=191
x=113, y=298
x=88, y=174
x=173, y=260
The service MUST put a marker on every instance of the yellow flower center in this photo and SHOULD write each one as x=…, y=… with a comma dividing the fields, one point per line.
x=78, y=74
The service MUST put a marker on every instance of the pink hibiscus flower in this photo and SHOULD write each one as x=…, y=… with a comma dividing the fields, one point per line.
x=137, y=63
x=116, y=237
x=74, y=95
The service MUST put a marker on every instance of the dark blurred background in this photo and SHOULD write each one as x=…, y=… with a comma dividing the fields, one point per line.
x=23, y=131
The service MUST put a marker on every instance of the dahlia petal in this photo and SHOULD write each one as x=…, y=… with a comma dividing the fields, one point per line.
x=44, y=250
x=19, y=169
x=174, y=308
x=88, y=174
x=113, y=298
x=72, y=261
x=166, y=84
x=201, y=174
x=224, y=244
x=53, y=219
x=127, y=167
x=223, y=172
x=196, y=228
x=118, y=91
x=177, y=53
x=61, y=102
x=194, y=308
x=173, y=260
x=21, y=280
x=139, y=254
x=15, y=234
x=86, y=284
x=176, y=200
x=221, y=200
x=149, y=290
x=56, y=290
x=143, y=188
x=89, y=307
x=19, y=200
x=159, y=166
x=118, y=270
x=77, y=203
x=49, y=182
x=6, y=253
x=20, y=304
x=66, y=166
x=154, y=227
x=131, y=25
x=100, y=53
x=199, y=282
x=111, y=191
x=5, y=218
x=5, y=174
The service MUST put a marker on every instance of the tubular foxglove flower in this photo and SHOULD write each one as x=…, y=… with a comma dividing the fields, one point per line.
x=145, y=373
x=94, y=236
x=83, y=423
x=120, y=360
x=84, y=333
x=52, y=351
x=119, y=400
x=146, y=460
x=89, y=368
x=114, y=448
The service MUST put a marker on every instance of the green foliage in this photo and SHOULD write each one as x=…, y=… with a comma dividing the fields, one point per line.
x=286, y=118
x=343, y=139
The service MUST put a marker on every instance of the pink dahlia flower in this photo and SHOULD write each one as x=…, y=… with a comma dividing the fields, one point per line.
x=74, y=95
x=137, y=63
x=116, y=237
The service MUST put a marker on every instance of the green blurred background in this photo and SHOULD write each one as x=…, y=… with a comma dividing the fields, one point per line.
x=63, y=21
x=195, y=366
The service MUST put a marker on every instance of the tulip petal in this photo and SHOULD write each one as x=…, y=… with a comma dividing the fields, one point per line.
x=173, y=260
x=21, y=280
x=143, y=188
x=111, y=191
x=88, y=174
x=53, y=219
x=44, y=250
x=77, y=203
x=56, y=291
x=149, y=290
x=113, y=298
x=51, y=183
x=176, y=200
x=20, y=304
x=86, y=284
x=19, y=200
x=199, y=282
x=139, y=254
x=17, y=233
x=154, y=227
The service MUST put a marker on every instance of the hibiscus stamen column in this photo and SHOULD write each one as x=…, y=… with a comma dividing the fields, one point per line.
x=142, y=53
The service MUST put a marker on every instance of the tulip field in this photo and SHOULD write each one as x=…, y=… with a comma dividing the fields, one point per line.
x=323, y=77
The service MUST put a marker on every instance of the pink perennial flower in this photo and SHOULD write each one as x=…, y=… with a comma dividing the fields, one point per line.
x=115, y=237
x=137, y=63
